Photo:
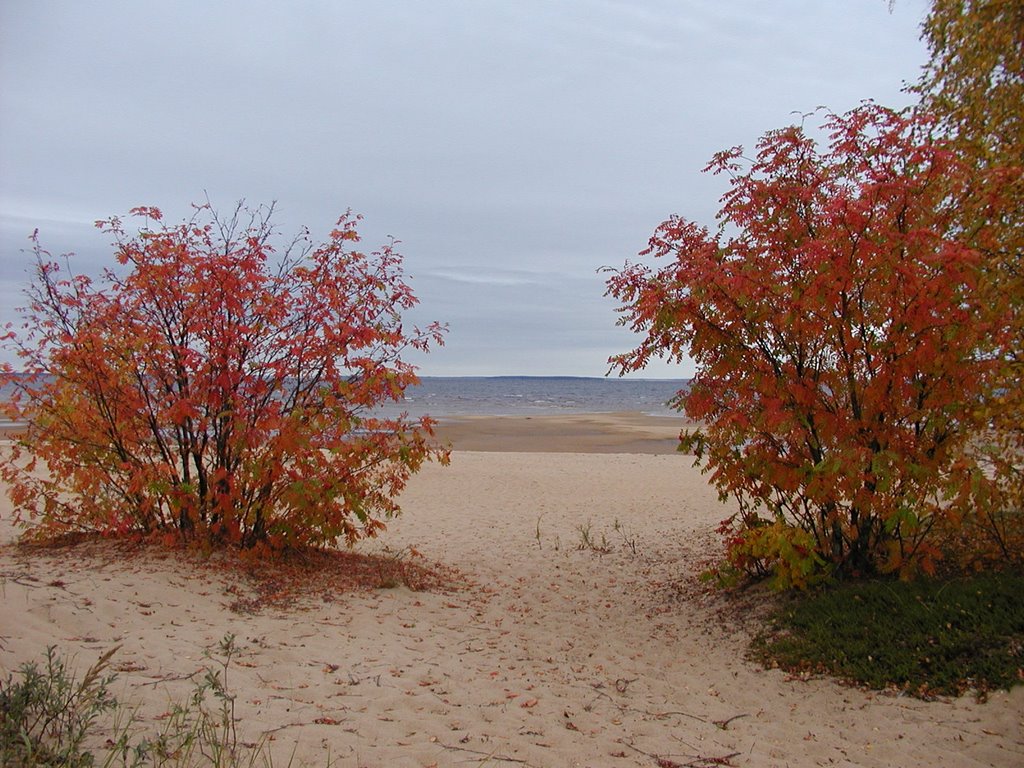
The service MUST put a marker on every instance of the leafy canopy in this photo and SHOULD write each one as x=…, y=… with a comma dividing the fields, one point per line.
x=974, y=79
x=974, y=84
x=212, y=389
x=835, y=321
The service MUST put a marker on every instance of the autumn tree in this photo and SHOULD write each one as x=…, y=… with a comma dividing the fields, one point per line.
x=974, y=84
x=210, y=388
x=974, y=80
x=835, y=323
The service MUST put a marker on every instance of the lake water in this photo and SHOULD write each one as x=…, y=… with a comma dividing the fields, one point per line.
x=534, y=395
x=446, y=397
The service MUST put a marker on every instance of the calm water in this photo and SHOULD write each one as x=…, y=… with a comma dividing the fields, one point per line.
x=533, y=395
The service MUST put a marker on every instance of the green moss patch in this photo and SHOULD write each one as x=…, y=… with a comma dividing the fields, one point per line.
x=925, y=637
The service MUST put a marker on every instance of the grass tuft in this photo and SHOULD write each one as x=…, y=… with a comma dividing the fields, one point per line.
x=925, y=637
x=49, y=719
x=47, y=713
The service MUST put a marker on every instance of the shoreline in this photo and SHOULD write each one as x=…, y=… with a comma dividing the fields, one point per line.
x=627, y=432
x=630, y=432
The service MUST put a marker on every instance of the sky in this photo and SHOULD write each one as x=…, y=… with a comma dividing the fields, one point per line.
x=514, y=147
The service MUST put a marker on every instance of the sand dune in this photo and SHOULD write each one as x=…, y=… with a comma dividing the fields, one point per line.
x=546, y=651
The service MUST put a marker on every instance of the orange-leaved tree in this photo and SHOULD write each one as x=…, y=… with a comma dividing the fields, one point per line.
x=839, y=340
x=974, y=84
x=212, y=389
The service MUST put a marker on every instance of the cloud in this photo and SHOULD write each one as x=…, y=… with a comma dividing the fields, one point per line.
x=513, y=148
x=476, y=276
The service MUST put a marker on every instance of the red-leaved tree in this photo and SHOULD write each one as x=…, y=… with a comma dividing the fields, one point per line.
x=840, y=341
x=212, y=389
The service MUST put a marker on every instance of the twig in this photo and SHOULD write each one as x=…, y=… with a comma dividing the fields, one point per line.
x=18, y=580
x=695, y=761
x=662, y=715
x=486, y=755
x=623, y=708
x=282, y=727
x=597, y=688
x=704, y=762
x=170, y=678
x=662, y=762
x=724, y=724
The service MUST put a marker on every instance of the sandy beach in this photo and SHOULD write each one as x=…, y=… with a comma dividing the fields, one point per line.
x=571, y=631
x=630, y=432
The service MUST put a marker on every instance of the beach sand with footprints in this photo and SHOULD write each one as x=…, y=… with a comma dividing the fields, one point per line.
x=540, y=607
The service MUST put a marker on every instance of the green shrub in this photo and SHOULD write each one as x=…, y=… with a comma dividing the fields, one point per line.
x=927, y=637
x=48, y=718
x=46, y=714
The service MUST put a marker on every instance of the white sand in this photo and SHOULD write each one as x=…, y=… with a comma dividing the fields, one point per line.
x=556, y=656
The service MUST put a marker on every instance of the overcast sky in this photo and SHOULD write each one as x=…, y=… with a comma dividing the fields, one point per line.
x=513, y=146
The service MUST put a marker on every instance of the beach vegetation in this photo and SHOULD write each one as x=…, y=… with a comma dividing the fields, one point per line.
x=846, y=340
x=589, y=539
x=51, y=717
x=927, y=637
x=627, y=539
x=46, y=712
x=215, y=387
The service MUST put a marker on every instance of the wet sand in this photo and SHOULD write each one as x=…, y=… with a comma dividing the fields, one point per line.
x=626, y=432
